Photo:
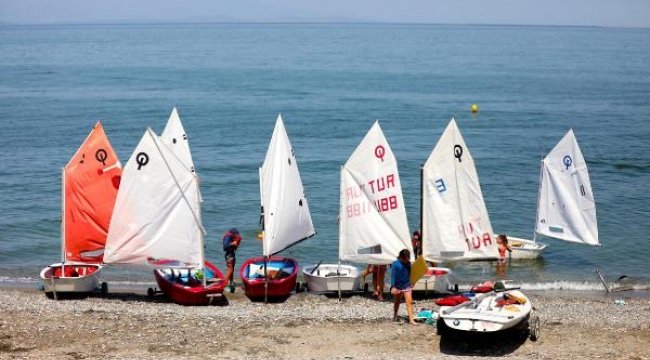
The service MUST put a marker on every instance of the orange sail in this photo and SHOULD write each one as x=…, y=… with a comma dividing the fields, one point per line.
x=90, y=182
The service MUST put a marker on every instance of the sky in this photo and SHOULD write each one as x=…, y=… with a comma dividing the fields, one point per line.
x=616, y=13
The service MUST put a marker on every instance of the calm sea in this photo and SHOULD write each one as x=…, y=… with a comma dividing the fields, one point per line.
x=330, y=81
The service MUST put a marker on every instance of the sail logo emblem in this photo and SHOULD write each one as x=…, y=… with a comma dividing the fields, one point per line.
x=458, y=152
x=101, y=155
x=380, y=152
x=142, y=159
x=567, y=161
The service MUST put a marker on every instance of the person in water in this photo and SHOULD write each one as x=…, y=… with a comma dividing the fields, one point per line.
x=400, y=284
x=417, y=244
x=230, y=240
x=502, y=242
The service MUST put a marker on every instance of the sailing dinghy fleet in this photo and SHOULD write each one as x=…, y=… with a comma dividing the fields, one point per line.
x=148, y=215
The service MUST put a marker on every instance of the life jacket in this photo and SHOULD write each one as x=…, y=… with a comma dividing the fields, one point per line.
x=228, y=239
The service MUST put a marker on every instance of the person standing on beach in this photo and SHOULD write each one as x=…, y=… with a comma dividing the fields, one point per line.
x=230, y=240
x=400, y=284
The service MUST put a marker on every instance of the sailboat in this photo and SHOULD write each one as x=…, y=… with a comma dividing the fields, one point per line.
x=566, y=209
x=89, y=187
x=373, y=227
x=157, y=223
x=285, y=221
x=454, y=219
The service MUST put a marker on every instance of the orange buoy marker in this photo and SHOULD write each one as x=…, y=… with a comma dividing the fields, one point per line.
x=474, y=108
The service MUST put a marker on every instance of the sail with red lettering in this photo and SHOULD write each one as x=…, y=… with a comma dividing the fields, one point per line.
x=566, y=208
x=455, y=221
x=373, y=227
x=90, y=182
x=285, y=211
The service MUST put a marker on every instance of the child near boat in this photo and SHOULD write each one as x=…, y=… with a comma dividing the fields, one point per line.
x=400, y=284
x=502, y=242
x=231, y=240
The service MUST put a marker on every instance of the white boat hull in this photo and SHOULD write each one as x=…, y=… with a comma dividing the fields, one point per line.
x=434, y=280
x=325, y=278
x=88, y=279
x=525, y=249
x=485, y=316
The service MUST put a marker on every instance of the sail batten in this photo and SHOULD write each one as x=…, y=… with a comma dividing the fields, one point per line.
x=455, y=221
x=566, y=206
x=90, y=183
x=156, y=220
x=286, y=217
x=373, y=227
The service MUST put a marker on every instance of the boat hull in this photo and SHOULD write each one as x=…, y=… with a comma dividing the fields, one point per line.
x=525, y=249
x=282, y=274
x=182, y=288
x=435, y=279
x=325, y=278
x=485, y=316
x=70, y=279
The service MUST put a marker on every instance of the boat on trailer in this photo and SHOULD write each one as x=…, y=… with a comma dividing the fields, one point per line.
x=157, y=224
x=566, y=209
x=285, y=220
x=373, y=227
x=90, y=183
x=492, y=311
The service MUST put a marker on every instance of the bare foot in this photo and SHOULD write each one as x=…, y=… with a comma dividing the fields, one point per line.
x=395, y=318
x=380, y=298
x=413, y=323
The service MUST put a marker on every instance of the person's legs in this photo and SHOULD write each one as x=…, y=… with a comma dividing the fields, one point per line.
x=408, y=298
x=397, y=298
x=381, y=271
x=375, y=286
x=230, y=263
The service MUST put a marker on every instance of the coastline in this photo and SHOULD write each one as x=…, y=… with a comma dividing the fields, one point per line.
x=306, y=326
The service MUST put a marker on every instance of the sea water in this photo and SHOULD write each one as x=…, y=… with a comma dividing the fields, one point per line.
x=330, y=82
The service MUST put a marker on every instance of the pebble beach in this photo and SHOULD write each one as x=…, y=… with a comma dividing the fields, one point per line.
x=306, y=326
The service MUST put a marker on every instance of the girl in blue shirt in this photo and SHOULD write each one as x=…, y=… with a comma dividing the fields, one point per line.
x=400, y=284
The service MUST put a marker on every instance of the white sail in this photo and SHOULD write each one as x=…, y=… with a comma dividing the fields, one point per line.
x=156, y=220
x=566, y=208
x=176, y=140
x=285, y=211
x=455, y=222
x=373, y=227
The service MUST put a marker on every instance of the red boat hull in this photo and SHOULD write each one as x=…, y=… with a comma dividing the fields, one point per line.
x=282, y=274
x=189, y=291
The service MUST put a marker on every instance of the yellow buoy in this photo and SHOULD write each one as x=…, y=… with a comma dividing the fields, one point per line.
x=474, y=108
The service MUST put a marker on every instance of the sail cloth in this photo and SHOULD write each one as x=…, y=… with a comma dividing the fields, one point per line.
x=373, y=228
x=90, y=182
x=455, y=222
x=285, y=212
x=566, y=208
x=156, y=219
x=176, y=140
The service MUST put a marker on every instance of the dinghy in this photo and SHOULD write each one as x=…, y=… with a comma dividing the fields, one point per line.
x=157, y=223
x=373, y=228
x=498, y=309
x=285, y=221
x=89, y=188
x=566, y=209
x=454, y=219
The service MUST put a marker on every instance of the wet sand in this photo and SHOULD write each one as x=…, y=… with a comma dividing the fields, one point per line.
x=306, y=326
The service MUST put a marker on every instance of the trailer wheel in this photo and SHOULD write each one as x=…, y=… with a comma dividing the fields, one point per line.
x=151, y=292
x=104, y=288
x=534, y=327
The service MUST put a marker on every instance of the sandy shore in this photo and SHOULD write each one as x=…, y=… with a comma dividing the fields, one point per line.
x=306, y=326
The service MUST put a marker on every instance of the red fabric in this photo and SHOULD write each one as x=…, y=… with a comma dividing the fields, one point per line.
x=451, y=300
x=501, y=303
x=482, y=289
x=90, y=194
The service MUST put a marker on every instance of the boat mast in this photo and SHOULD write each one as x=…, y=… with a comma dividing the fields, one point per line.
x=201, y=234
x=421, y=208
x=539, y=194
x=62, y=220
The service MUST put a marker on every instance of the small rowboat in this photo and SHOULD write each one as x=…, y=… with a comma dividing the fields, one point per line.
x=281, y=274
x=435, y=279
x=490, y=312
x=329, y=278
x=73, y=278
x=185, y=286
